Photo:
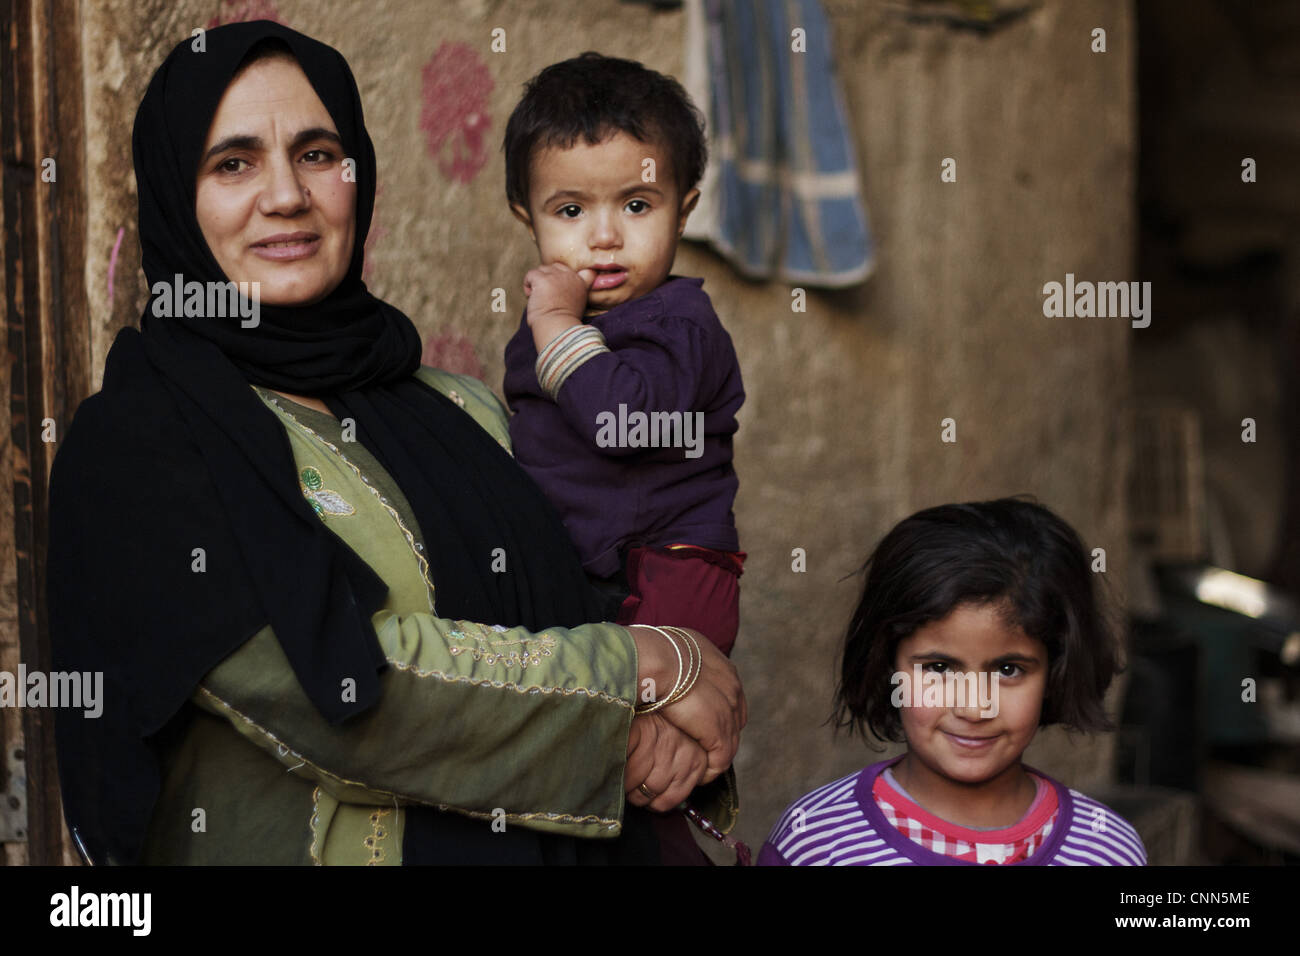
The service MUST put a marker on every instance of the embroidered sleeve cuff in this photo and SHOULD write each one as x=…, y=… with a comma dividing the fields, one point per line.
x=565, y=354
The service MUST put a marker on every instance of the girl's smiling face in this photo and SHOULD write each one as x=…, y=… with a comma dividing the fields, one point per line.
x=950, y=746
x=589, y=208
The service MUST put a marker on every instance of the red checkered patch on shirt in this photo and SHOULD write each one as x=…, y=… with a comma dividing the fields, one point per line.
x=951, y=840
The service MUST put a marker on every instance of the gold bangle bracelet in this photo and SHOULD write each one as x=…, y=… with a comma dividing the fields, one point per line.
x=695, y=664
x=697, y=660
x=660, y=702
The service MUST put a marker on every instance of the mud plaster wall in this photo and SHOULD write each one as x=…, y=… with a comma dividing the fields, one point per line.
x=840, y=435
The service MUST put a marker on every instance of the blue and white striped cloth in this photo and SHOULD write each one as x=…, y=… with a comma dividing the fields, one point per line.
x=781, y=198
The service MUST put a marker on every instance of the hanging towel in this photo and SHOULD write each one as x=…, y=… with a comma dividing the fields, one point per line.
x=780, y=198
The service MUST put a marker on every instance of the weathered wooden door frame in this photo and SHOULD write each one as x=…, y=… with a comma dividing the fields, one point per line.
x=47, y=337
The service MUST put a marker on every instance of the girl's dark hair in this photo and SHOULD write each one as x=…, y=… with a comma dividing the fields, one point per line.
x=593, y=96
x=1011, y=552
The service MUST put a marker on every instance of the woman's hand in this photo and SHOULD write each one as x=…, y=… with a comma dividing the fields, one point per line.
x=663, y=760
x=714, y=711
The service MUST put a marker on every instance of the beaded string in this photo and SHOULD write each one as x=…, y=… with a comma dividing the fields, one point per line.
x=743, y=855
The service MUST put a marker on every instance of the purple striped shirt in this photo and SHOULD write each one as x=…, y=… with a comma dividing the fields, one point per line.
x=841, y=825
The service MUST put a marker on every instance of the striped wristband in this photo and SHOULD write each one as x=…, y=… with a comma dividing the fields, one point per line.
x=564, y=354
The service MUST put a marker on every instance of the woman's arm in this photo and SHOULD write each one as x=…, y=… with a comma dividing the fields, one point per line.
x=469, y=719
x=477, y=720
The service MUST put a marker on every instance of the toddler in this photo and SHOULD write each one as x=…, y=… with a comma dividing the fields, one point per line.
x=978, y=624
x=623, y=383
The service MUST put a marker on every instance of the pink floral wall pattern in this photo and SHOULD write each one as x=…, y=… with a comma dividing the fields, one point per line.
x=452, y=352
x=454, y=114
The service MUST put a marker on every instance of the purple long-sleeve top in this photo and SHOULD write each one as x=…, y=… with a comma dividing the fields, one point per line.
x=668, y=353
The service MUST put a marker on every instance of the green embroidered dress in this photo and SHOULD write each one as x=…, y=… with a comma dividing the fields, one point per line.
x=501, y=724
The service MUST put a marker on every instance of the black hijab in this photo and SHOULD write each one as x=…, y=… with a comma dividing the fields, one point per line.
x=178, y=453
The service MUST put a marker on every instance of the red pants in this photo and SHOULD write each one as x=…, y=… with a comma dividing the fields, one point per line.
x=684, y=586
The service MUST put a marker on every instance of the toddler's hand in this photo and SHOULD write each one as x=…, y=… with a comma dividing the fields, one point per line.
x=557, y=298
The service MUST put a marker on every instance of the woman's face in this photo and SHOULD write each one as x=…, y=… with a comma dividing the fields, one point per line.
x=271, y=197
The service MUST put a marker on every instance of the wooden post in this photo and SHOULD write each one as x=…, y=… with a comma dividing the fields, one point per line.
x=47, y=338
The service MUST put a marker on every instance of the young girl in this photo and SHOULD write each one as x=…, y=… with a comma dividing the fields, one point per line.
x=1000, y=591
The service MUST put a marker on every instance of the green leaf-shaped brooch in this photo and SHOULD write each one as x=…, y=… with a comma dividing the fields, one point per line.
x=323, y=501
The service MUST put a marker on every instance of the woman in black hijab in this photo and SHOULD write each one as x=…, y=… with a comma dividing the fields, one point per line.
x=239, y=634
